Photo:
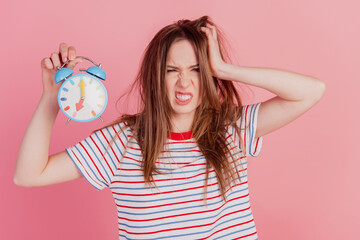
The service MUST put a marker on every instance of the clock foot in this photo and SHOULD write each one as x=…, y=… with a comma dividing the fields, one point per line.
x=101, y=119
x=67, y=121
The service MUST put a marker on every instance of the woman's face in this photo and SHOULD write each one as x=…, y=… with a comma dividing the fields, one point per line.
x=182, y=80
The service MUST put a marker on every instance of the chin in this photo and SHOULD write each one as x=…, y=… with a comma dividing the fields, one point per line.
x=183, y=111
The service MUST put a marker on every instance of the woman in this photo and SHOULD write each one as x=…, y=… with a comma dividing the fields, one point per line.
x=177, y=169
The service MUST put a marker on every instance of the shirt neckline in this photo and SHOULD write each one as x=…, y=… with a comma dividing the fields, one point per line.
x=181, y=136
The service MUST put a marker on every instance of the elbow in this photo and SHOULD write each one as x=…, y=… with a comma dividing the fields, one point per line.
x=21, y=183
x=322, y=88
x=17, y=182
x=319, y=90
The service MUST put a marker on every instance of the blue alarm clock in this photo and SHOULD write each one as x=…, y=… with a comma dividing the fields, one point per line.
x=82, y=97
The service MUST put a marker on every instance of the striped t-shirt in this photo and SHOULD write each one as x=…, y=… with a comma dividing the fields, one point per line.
x=174, y=209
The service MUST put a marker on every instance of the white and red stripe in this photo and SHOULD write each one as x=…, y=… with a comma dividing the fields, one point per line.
x=175, y=208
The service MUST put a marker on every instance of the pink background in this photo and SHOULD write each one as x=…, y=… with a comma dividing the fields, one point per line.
x=304, y=184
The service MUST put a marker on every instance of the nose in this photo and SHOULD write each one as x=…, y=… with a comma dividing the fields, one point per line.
x=184, y=80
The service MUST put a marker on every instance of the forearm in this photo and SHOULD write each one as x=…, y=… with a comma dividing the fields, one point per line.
x=34, y=149
x=287, y=85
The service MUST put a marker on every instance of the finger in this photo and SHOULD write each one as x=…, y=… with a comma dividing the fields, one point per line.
x=210, y=36
x=210, y=26
x=205, y=30
x=63, y=49
x=55, y=59
x=71, y=52
x=73, y=63
x=212, y=29
x=46, y=63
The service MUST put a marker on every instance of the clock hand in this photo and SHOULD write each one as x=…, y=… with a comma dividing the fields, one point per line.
x=79, y=105
x=82, y=86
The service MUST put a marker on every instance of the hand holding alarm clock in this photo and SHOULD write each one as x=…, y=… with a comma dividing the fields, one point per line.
x=49, y=64
x=81, y=97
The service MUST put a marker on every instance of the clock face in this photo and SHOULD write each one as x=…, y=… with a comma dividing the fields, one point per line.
x=82, y=97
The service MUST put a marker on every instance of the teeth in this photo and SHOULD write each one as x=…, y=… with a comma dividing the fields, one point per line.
x=183, y=97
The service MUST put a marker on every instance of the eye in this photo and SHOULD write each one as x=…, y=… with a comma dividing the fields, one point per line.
x=170, y=70
x=197, y=69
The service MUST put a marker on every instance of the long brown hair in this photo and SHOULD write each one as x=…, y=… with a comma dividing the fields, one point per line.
x=220, y=105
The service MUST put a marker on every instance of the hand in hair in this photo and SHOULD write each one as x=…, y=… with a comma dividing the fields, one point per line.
x=215, y=59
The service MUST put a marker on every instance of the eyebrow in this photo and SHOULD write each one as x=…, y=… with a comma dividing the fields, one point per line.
x=170, y=66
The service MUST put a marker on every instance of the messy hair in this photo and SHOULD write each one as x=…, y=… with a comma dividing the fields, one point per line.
x=219, y=108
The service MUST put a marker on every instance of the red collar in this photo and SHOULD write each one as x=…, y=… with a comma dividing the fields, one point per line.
x=181, y=136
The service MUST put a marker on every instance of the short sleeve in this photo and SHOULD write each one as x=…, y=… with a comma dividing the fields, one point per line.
x=96, y=159
x=247, y=124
